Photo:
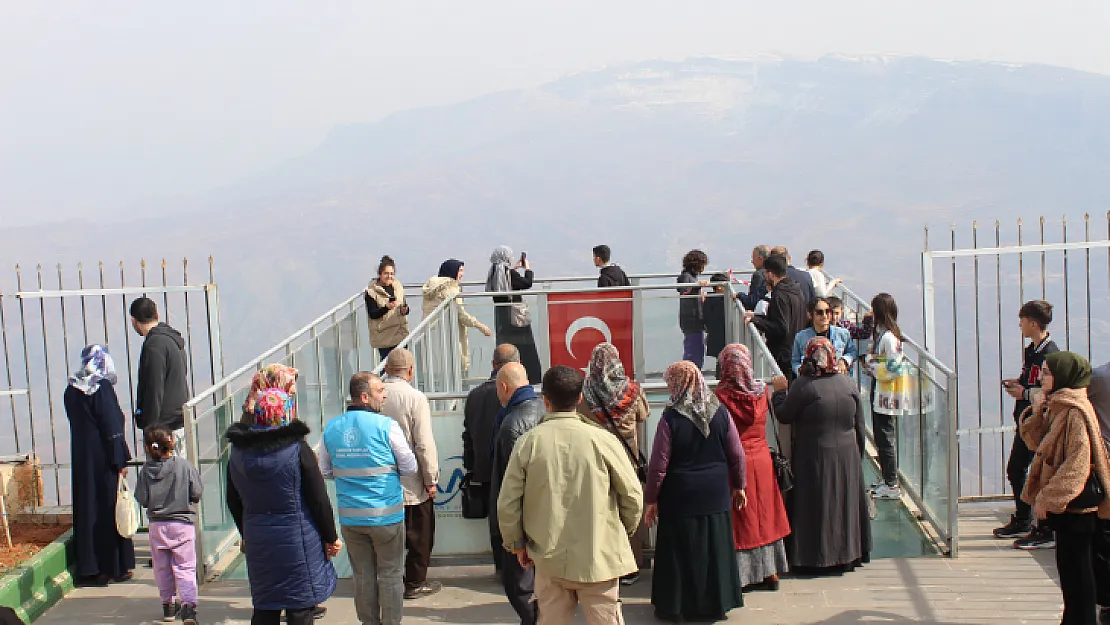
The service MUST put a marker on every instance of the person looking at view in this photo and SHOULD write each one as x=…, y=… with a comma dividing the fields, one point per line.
x=387, y=309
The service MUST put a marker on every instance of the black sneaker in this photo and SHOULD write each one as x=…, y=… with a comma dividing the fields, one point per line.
x=318, y=613
x=1039, y=538
x=188, y=614
x=169, y=611
x=1016, y=528
x=424, y=590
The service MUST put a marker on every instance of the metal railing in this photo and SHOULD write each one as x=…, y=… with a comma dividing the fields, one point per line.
x=336, y=345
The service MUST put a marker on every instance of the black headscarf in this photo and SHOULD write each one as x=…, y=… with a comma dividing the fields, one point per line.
x=450, y=268
x=1069, y=370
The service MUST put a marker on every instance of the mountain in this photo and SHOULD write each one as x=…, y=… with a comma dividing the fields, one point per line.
x=852, y=155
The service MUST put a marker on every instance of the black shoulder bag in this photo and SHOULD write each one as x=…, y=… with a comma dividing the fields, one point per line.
x=475, y=498
x=784, y=474
x=637, y=459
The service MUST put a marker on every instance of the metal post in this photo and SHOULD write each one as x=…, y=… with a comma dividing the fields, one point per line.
x=188, y=326
x=127, y=348
x=1067, y=299
x=978, y=354
x=8, y=373
x=928, y=296
x=192, y=446
x=1001, y=374
x=1087, y=261
x=1044, y=271
x=953, y=467
x=638, y=355
x=84, y=314
x=49, y=384
x=26, y=363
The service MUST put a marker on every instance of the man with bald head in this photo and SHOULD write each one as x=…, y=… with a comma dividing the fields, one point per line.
x=521, y=411
x=409, y=408
x=482, y=406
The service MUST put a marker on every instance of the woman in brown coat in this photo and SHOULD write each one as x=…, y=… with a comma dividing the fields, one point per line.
x=1070, y=458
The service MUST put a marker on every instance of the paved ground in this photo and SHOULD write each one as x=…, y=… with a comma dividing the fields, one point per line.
x=989, y=583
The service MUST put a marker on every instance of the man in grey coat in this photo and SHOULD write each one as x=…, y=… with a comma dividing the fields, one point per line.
x=522, y=411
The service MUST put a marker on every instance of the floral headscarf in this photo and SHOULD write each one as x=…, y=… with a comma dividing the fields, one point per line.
x=277, y=376
x=500, y=261
x=821, y=351
x=96, y=365
x=274, y=408
x=606, y=384
x=690, y=396
x=737, y=373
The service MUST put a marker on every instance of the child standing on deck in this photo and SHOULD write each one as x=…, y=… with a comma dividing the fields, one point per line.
x=169, y=487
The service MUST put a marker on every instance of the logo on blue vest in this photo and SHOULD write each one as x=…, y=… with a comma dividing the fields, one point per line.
x=352, y=436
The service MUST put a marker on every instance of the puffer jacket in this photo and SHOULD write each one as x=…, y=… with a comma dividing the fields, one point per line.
x=393, y=327
x=1064, y=431
x=435, y=291
x=286, y=562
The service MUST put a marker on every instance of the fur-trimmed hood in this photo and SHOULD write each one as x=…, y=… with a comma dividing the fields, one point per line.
x=266, y=439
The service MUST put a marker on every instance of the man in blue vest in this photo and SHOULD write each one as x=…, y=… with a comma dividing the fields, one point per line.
x=366, y=453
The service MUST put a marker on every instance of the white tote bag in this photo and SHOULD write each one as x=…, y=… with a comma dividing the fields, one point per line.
x=127, y=510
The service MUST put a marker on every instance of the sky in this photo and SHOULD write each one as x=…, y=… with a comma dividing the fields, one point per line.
x=111, y=107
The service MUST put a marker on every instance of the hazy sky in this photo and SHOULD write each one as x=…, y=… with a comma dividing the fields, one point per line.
x=103, y=104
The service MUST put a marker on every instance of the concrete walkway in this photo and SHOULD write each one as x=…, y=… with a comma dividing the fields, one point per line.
x=989, y=583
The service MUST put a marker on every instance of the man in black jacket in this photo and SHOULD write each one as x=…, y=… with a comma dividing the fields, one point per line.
x=522, y=411
x=482, y=406
x=802, y=278
x=786, y=315
x=611, y=273
x=162, y=387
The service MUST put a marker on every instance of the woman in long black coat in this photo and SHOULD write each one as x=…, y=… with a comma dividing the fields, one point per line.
x=829, y=517
x=503, y=278
x=99, y=456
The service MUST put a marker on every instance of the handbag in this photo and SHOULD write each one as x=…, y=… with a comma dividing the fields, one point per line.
x=784, y=473
x=1093, y=493
x=519, y=315
x=475, y=498
x=637, y=459
x=127, y=510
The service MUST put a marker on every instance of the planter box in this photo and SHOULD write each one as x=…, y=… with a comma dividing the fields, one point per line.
x=40, y=582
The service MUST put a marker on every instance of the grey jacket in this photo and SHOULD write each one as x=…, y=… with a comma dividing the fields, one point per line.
x=169, y=489
x=517, y=422
x=1099, y=394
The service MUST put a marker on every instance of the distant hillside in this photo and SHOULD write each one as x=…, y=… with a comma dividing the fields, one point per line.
x=850, y=155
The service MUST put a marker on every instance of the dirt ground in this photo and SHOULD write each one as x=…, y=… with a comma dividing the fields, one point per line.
x=27, y=540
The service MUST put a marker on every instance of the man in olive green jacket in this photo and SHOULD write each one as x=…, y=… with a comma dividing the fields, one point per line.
x=568, y=503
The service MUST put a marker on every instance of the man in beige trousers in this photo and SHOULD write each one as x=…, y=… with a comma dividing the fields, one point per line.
x=409, y=408
x=569, y=501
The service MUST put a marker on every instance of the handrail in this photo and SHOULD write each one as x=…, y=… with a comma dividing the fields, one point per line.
x=253, y=364
x=639, y=276
x=592, y=289
x=419, y=329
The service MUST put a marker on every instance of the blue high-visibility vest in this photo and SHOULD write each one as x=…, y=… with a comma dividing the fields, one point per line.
x=367, y=482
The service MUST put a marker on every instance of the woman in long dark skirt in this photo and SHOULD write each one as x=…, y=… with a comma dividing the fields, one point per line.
x=99, y=456
x=696, y=456
x=504, y=277
x=829, y=518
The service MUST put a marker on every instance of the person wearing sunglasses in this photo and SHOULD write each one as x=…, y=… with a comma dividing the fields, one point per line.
x=821, y=324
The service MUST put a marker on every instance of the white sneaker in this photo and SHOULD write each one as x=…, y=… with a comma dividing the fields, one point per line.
x=887, y=492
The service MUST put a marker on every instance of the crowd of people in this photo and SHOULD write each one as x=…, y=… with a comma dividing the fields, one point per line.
x=562, y=475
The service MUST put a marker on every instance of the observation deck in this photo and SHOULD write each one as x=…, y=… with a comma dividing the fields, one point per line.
x=933, y=562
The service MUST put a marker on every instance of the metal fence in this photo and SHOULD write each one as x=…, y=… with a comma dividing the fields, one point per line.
x=973, y=285
x=47, y=317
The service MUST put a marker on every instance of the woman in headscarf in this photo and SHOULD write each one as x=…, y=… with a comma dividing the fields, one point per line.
x=444, y=286
x=619, y=405
x=277, y=497
x=99, y=456
x=829, y=517
x=759, y=527
x=1071, y=460
x=512, y=321
x=695, y=458
x=277, y=376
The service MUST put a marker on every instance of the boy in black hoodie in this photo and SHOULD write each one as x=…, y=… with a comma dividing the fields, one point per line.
x=1033, y=318
x=162, y=388
x=611, y=274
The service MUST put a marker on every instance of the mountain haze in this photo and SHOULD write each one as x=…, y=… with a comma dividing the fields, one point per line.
x=852, y=155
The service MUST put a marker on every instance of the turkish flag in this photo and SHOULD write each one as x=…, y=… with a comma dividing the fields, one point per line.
x=578, y=322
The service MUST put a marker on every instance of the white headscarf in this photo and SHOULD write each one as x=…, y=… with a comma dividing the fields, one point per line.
x=96, y=365
x=501, y=260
